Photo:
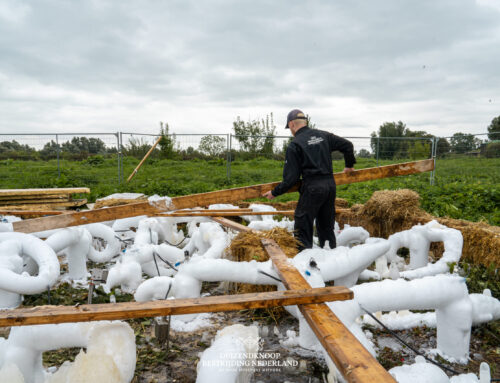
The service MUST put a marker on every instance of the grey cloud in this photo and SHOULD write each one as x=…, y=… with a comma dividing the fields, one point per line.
x=238, y=53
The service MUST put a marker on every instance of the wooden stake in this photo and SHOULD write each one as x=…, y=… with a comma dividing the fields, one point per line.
x=355, y=363
x=128, y=310
x=144, y=159
x=204, y=199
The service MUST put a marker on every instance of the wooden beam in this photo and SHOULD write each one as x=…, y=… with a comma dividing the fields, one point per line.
x=127, y=310
x=38, y=201
x=355, y=363
x=233, y=225
x=204, y=199
x=34, y=213
x=44, y=205
x=211, y=210
x=51, y=191
x=225, y=213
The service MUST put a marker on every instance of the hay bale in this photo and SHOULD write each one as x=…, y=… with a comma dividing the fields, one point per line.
x=481, y=241
x=247, y=246
x=390, y=211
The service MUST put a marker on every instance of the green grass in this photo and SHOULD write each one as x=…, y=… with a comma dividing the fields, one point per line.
x=466, y=188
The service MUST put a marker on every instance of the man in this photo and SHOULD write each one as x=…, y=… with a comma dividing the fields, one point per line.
x=309, y=156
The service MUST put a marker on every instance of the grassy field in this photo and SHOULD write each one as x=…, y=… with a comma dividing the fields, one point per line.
x=467, y=188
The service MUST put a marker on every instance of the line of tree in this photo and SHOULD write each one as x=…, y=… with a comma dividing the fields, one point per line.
x=257, y=137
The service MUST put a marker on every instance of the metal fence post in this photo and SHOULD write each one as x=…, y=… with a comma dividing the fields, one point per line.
x=118, y=154
x=121, y=157
x=228, y=161
x=57, y=151
x=378, y=148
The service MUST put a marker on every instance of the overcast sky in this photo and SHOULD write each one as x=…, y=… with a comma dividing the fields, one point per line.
x=104, y=66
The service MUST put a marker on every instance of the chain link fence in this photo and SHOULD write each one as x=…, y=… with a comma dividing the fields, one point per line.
x=70, y=159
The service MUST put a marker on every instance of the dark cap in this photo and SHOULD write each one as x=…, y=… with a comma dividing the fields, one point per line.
x=295, y=115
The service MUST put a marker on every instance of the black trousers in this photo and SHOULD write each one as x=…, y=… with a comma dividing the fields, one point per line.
x=316, y=202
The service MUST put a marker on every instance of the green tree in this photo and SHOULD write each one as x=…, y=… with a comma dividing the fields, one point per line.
x=167, y=142
x=419, y=149
x=494, y=129
x=462, y=143
x=390, y=143
x=84, y=145
x=50, y=150
x=256, y=136
x=214, y=146
x=443, y=147
x=363, y=153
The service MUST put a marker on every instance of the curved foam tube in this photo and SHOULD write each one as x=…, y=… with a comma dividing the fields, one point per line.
x=113, y=246
x=351, y=235
x=343, y=264
x=106, y=342
x=421, y=371
x=154, y=289
x=42, y=254
x=446, y=294
x=77, y=242
x=418, y=240
x=453, y=243
x=209, y=240
x=127, y=274
x=187, y=282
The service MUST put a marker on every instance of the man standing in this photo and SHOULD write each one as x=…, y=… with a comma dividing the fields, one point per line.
x=309, y=156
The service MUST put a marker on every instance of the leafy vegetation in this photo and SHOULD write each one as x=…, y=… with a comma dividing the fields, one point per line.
x=466, y=188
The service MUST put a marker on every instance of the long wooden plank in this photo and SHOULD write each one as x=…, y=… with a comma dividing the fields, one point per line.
x=34, y=213
x=46, y=205
x=51, y=191
x=204, y=199
x=355, y=363
x=211, y=210
x=128, y=310
x=35, y=197
x=35, y=201
x=225, y=213
x=232, y=225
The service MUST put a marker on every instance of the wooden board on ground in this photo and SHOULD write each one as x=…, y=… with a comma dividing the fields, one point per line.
x=33, y=197
x=204, y=199
x=224, y=213
x=39, y=192
x=354, y=362
x=128, y=310
x=38, y=201
x=34, y=213
x=43, y=206
x=232, y=225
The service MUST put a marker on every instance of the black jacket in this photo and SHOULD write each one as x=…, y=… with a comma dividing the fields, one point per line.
x=309, y=155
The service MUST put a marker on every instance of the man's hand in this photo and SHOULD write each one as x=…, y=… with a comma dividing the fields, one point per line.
x=348, y=170
x=268, y=195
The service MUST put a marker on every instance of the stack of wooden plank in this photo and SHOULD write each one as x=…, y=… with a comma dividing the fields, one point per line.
x=40, y=199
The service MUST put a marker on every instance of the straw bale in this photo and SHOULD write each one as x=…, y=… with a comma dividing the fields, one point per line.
x=390, y=211
x=481, y=241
